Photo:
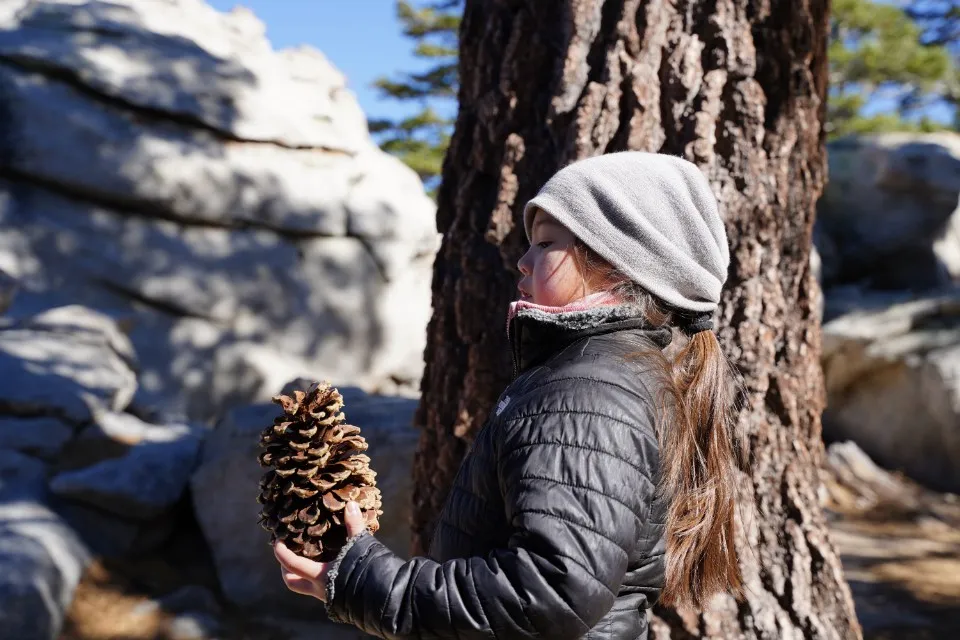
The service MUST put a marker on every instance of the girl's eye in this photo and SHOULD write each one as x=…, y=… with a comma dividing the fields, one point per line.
x=545, y=244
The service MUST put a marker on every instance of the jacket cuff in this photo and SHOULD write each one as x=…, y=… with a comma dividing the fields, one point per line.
x=348, y=562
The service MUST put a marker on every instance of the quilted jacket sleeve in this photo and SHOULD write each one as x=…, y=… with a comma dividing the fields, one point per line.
x=573, y=529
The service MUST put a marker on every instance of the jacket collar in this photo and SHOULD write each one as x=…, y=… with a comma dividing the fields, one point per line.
x=536, y=333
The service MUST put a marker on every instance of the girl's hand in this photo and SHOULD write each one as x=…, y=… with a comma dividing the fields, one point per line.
x=306, y=576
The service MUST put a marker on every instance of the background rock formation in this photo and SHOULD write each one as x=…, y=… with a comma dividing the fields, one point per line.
x=888, y=233
x=888, y=218
x=223, y=201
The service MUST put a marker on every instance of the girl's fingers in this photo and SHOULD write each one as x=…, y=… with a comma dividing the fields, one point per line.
x=353, y=519
x=293, y=563
x=299, y=585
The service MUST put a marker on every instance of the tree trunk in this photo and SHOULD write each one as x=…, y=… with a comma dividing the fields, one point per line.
x=736, y=86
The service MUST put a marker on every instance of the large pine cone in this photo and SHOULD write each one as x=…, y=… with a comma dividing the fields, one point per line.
x=316, y=465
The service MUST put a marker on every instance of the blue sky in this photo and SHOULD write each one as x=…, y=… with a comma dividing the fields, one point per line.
x=361, y=37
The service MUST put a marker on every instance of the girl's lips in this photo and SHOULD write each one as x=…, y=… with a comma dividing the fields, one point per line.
x=523, y=292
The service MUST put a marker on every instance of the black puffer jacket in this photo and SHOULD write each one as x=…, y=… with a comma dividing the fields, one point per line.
x=552, y=529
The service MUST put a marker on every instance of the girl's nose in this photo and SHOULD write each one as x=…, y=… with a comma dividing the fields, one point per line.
x=523, y=264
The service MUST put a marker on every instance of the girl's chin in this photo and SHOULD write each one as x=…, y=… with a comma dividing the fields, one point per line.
x=525, y=299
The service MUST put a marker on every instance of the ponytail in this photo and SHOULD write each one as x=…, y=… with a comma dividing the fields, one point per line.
x=699, y=452
x=698, y=456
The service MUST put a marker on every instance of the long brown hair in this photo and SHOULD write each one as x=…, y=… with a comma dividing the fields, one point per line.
x=699, y=448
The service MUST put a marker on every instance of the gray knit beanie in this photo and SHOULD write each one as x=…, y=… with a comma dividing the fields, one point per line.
x=652, y=216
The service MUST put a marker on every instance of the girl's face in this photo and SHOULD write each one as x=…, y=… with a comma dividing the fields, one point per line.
x=552, y=274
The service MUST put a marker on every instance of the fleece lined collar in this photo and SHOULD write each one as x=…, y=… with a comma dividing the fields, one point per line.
x=537, y=332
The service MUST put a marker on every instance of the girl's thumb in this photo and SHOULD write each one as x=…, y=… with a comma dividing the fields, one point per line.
x=354, y=520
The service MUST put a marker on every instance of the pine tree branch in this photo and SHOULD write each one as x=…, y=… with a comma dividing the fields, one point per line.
x=421, y=140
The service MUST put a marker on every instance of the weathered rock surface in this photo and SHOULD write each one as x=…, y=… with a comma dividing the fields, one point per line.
x=387, y=424
x=892, y=374
x=888, y=239
x=221, y=199
x=225, y=487
x=41, y=559
x=22, y=477
x=109, y=535
x=143, y=482
x=41, y=436
x=68, y=373
x=224, y=490
x=228, y=78
x=888, y=218
x=63, y=363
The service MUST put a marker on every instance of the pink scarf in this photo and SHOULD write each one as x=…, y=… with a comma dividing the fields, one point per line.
x=599, y=299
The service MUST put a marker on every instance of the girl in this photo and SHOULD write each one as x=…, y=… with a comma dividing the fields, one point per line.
x=604, y=479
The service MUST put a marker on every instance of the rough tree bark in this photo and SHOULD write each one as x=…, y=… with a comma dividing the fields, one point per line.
x=736, y=86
